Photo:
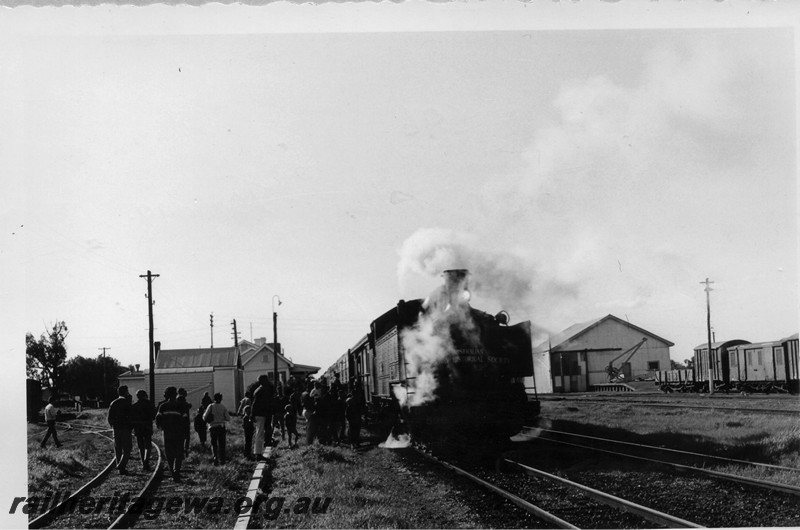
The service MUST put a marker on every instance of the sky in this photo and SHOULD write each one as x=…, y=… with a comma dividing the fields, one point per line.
x=579, y=159
x=575, y=173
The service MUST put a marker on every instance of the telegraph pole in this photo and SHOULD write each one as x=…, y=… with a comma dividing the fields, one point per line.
x=105, y=393
x=708, y=290
x=212, y=330
x=235, y=335
x=277, y=348
x=150, y=277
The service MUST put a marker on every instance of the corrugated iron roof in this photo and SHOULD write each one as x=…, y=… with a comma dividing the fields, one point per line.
x=575, y=330
x=197, y=358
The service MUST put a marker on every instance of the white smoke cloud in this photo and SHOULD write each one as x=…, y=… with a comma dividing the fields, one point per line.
x=510, y=278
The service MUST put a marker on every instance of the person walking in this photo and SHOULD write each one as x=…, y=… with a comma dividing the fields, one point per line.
x=119, y=417
x=217, y=416
x=142, y=415
x=187, y=424
x=50, y=415
x=261, y=413
x=200, y=426
x=170, y=419
x=206, y=400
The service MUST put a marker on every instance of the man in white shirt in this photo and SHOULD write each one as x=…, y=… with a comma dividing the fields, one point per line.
x=50, y=415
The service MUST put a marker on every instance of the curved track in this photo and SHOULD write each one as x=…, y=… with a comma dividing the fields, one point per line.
x=63, y=508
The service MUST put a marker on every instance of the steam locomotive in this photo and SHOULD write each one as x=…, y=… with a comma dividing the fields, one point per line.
x=444, y=368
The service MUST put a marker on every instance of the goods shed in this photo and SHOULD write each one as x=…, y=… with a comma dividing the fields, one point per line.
x=580, y=356
x=198, y=370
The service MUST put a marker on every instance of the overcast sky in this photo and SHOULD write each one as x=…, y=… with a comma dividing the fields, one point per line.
x=576, y=173
x=340, y=158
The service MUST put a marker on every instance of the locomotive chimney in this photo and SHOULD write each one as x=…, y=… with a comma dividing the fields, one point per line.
x=456, y=286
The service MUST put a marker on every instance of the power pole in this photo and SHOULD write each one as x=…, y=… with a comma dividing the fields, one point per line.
x=235, y=335
x=277, y=348
x=105, y=394
x=212, y=330
x=708, y=290
x=150, y=302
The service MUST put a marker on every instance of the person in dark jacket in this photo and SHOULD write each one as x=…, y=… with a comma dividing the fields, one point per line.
x=261, y=413
x=187, y=427
x=200, y=426
x=249, y=428
x=206, y=400
x=170, y=419
x=142, y=415
x=119, y=417
x=353, y=413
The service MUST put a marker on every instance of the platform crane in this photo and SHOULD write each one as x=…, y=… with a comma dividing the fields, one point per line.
x=614, y=372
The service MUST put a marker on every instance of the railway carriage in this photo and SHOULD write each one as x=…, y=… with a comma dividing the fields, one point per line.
x=739, y=366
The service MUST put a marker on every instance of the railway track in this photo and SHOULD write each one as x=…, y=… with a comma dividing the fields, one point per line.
x=657, y=404
x=79, y=510
x=585, y=507
x=690, y=492
x=702, y=458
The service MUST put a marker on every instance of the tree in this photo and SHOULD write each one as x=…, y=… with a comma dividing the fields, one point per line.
x=674, y=365
x=44, y=358
x=689, y=363
x=84, y=377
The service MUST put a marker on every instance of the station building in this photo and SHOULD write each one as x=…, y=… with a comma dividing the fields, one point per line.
x=228, y=370
x=577, y=359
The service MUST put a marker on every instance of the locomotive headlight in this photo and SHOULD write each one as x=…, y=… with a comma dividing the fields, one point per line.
x=465, y=294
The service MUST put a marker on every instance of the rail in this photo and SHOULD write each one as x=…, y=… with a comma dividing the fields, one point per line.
x=122, y=520
x=785, y=488
x=647, y=513
x=522, y=503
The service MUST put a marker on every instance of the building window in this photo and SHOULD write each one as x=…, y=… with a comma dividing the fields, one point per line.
x=653, y=366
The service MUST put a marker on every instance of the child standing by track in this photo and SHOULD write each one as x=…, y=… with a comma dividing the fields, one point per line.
x=290, y=419
x=249, y=427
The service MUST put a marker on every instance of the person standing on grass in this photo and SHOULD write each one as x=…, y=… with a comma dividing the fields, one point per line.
x=216, y=415
x=50, y=415
x=278, y=404
x=246, y=401
x=353, y=413
x=187, y=427
x=200, y=426
x=206, y=400
x=248, y=427
x=119, y=417
x=142, y=415
x=290, y=419
x=170, y=419
x=296, y=399
x=261, y=413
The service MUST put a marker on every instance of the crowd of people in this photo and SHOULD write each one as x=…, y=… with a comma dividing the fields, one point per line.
x=331, y=412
